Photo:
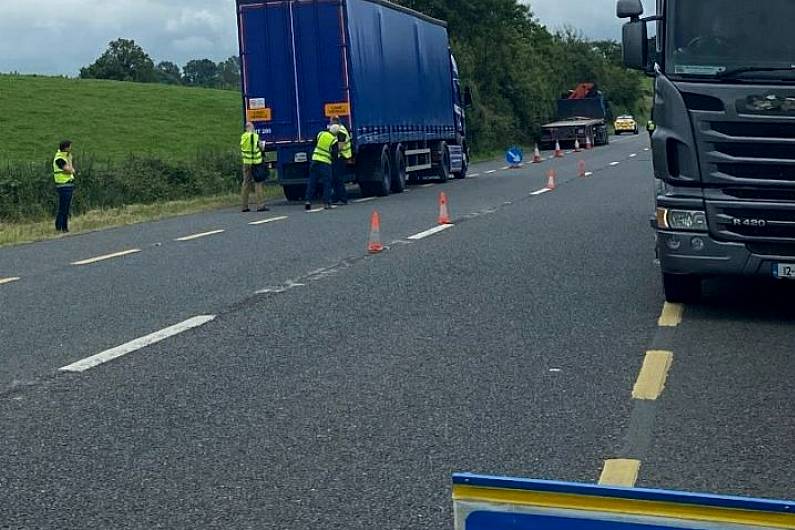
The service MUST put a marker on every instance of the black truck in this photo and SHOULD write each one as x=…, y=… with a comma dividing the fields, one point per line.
x=581, y=115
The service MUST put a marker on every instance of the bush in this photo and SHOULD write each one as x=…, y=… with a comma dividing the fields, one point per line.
x=27, y=191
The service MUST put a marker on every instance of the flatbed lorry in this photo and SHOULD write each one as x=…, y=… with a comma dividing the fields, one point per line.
x=581, y=114
x=386, y=71
x=724, y=139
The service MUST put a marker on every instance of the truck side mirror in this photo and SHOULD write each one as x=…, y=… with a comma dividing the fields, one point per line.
x=632, y=9
x=636, y=45
x=467, y=97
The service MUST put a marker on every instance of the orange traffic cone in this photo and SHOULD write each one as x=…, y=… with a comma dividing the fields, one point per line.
x=444, y=214
x=588, y=142
x=375, y=246
x=551, y=175
x=537, y=156
x=558, y=150
x=581, y=168
x=577, y=147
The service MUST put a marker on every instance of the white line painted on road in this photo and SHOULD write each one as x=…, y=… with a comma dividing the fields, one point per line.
x=198, y=236
x=541, y=191
x=8, y=280
x=429, y=185
x=316, y=210
x=614, y=163
x=89, y=261
x=588, y=173
x=428, y=233
x=271, y=220
x=365, y=199
x=137, y=344
x=473, y=175
x=633, y=155
x=505, y=167
x=645, y=148
x=489, y=172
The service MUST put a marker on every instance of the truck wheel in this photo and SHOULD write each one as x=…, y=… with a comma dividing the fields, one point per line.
x=383, y=174
x=681, y=288
x=399, y=175
x=464, y=167
x=443, y=171
x=294, y=192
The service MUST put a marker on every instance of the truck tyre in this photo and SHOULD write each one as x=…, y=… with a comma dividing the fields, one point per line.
x=681, y=288
x=464, y=167
x=443, y=170
x=399, y=175
x=382, y=182
x=294, y=192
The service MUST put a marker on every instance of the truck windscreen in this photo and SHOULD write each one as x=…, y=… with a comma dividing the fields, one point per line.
x=707, y=38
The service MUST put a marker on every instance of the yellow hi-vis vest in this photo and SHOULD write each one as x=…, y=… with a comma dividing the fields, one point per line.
x=62, y=178
x=325, y=142
x=346, y=151
x=249, y=147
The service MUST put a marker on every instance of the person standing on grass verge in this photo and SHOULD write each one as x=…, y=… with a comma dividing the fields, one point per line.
x=253, y=168
x=64, y=173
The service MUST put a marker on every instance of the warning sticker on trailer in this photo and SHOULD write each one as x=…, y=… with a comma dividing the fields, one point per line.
x=256, y=103
x=337, y=109
x=258, y=115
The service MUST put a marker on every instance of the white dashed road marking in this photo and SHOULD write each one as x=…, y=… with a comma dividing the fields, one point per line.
x=489, y=172
x=271, y=220
x=137, y=344
x=8, y=280
x=614, y=163
x=428, y=233
x=365, y=199
x=633, y=155
x=198, y=236
x=89, y=261
x=541, y=191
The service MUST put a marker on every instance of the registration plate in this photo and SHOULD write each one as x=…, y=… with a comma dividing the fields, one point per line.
x=785, y=271
x=300, y=157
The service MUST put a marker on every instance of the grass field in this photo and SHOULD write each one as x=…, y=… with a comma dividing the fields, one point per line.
x=110, y=120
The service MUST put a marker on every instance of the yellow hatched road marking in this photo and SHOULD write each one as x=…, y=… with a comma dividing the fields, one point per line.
x=653, y=374
x=620, y=472
x=671, y=315
x=89, y=261
x=8, y=280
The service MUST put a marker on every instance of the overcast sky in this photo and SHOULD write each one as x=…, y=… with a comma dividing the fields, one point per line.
x=60, y=36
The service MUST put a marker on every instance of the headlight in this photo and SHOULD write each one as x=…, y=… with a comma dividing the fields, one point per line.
x=682, y=220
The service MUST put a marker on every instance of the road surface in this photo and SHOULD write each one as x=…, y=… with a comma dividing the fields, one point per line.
x=205, y=372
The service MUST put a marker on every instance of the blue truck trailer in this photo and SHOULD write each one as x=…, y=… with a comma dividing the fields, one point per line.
x=386, y=71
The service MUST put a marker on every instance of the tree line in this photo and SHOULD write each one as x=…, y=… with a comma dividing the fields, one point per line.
x=517, y=68
x=124, y=60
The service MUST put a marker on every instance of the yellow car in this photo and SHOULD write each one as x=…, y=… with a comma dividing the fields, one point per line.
x=625, y=124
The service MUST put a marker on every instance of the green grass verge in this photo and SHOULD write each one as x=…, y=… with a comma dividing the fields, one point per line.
x=29, y=232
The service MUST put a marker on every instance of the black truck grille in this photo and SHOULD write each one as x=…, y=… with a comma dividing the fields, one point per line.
x=746, y=153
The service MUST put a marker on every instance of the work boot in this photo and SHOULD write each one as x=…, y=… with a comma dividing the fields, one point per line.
x=308, y=206
x=246, y=210
x=329, y=206
x=263, y=208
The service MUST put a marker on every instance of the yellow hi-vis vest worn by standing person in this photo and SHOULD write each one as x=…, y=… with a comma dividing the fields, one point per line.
x=62, y=177
x=253, y=168
x=346, y=151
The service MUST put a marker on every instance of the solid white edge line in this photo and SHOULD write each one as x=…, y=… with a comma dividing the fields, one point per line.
x=365, y=199
x=89, y=261
x=271, y=220
x=9, y=280
x=541, y=191
x=137, y=344
x=428, y=233
x=197, y=236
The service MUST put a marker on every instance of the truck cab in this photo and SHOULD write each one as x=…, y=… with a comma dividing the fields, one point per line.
x=724, y=138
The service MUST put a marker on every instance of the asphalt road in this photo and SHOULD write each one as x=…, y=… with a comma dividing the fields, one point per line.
x=345, y=393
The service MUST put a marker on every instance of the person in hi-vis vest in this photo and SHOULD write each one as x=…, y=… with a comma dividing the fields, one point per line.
x=253, y=169
x=64, y=175
x=325, y=154
x=340, y=167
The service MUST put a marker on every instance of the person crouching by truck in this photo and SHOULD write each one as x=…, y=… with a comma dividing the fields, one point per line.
x=64, y=174
x=253, y=169
x=320, y=171
x=340, y=167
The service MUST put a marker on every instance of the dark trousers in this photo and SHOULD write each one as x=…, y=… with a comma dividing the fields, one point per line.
x=64, y=205
x=319, y=173
x=340, y=170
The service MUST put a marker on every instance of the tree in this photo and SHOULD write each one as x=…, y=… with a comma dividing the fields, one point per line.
x=229, y=73
x=124, y=60
x=201, y=72
x=168, y=73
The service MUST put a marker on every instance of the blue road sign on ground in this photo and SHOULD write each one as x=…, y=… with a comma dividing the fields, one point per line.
x=514, y=156
x=494, y=503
